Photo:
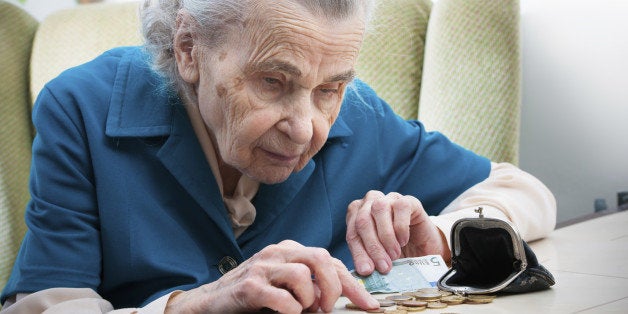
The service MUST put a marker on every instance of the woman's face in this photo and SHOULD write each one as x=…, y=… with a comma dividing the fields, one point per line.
x=270, y=95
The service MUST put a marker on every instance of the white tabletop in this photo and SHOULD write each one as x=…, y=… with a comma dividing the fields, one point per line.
x=589, y=261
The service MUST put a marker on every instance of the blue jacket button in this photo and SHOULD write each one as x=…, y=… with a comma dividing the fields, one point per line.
x=226, y=264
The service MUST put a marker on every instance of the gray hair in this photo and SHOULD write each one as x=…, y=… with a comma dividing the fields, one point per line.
x=213, y=17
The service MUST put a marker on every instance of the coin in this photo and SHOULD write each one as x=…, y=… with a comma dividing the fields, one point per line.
x=411, y=308
x=414, y=303
x=380, y=310
x=427, y=296
x=352, y=306
x=428, y=290
x=436, y=305
x=479, y=299
x=453, y=299
x=398, y=298
x=396, y=312
x=386, y=303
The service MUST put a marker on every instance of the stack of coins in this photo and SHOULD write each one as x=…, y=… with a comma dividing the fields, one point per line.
x=427, y=298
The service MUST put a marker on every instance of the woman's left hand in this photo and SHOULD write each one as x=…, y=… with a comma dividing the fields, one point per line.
x=382, y=228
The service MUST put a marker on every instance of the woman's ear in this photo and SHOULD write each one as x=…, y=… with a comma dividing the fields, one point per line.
x=186, y=50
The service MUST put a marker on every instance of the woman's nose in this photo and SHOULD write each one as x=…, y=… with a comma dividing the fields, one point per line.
x=298, y=124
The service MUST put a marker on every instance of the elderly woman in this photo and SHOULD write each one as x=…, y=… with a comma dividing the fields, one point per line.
x=235, y=164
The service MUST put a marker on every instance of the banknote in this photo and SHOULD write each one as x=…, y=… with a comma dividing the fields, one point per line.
x=407, y=274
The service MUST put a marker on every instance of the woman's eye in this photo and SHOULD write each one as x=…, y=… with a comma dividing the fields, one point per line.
x=328, y=95
x=269, y=86
x=272, y=81
x=329, y=90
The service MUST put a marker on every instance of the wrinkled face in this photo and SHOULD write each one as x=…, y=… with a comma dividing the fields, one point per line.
x=270, y=95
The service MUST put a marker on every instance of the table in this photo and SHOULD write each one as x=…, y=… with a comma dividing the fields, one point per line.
x=589, y=261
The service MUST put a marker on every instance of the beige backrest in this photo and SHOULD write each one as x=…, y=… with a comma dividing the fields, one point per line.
x=71, y=37
x=391, y=59
x=472, y=76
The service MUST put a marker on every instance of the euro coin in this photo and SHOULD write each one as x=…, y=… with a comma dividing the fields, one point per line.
x=427, y=296
x=479, y=299
x=380, y=310
x=436, y=305
x=352, y=306
x=398, y=298
x=428, y=290
x=411, y=308
x=414, y=303
x=453, y=299
x=395, y=312
x=386, y=303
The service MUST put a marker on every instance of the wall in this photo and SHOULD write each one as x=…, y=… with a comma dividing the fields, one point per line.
x=41, y=8
x=574, y=132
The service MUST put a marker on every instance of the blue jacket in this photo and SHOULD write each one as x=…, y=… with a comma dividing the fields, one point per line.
x=124, y=201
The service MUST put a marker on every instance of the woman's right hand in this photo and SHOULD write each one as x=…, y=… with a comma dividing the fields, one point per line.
x=287, y=277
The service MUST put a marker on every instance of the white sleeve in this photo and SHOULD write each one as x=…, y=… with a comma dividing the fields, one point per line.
x=73, y=300
x=509, y=193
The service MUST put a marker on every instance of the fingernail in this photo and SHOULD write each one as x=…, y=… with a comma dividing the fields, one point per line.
x=382, y=266
x=364, y=269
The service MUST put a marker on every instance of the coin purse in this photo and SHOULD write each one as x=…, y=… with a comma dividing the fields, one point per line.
x=489, y=256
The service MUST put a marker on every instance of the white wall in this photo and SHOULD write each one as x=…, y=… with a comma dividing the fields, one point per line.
x=574, y=133
x=41, y=8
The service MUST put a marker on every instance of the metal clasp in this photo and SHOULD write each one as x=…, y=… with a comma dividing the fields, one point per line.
x=479, y=211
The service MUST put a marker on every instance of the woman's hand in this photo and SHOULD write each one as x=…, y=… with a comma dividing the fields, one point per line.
x=286, y=277
x=382, y=228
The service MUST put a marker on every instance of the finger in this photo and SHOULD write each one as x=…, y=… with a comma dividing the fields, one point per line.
x=363, y=263
x=325, y=277
x=277, y=299
x=402, y=214
x=316, y=305
x=369, y=241
x=297, y=279
x=319, y=263
x=353, y=290
x=382, y=214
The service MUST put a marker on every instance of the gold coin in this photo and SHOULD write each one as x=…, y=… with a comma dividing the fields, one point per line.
x=428, y=290
x=386, y=303
x=436, y=305
x=396, y=312
x=427, y=296
x=352, y=306
x=380, y=310
x=411, y=308
x=453, y=299
x=414, y=303
x=480, y=299
x=444, y=293
x=398, y=298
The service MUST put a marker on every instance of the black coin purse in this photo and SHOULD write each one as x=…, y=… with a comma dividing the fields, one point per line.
x=489, y=256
